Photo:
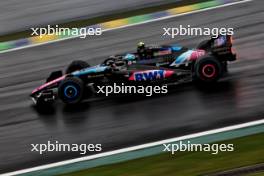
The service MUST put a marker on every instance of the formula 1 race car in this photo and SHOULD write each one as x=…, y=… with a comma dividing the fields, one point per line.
x=166, y=64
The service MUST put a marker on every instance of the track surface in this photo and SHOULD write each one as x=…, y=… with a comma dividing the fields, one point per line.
x=126, y=121
x=19, y=15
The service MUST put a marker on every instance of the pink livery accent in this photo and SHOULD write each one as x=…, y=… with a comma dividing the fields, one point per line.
x=196, y=54
x=49, y=83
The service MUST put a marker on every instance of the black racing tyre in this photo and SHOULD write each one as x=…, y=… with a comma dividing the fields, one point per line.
x=207, y=69
x=71, y=90
x=77, y=65
x=204, y=45
x=225, y=67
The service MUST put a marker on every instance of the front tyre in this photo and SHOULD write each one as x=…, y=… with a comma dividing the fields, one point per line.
x=207, y=69
x=71, y=90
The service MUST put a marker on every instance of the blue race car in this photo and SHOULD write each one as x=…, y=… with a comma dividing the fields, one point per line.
x=164, y=64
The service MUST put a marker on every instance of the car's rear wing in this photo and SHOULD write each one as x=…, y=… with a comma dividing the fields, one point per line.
x=223, y=46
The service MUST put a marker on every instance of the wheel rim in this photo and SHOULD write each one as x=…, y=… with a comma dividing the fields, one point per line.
x=209, y=71
x=70, y=92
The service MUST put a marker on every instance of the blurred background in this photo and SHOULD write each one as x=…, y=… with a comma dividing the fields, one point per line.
x=20, y=15
x=125, y=121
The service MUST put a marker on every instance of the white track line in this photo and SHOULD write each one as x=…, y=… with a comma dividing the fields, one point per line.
x=129, y=149
x=125, y=26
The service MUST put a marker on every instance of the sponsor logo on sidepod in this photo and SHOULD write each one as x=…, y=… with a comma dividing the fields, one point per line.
x=150, y=75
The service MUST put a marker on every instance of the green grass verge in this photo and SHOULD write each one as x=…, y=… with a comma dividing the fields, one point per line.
x=256, y=174
x=104, y=18
x=248, y=151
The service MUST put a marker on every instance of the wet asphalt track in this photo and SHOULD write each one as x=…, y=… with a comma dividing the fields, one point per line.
x=20, y=15
x=126, y=121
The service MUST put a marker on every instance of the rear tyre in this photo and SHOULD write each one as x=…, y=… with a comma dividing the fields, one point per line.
x=71, y=90
x=76, y=65
x=207, y=69
x=225, y=67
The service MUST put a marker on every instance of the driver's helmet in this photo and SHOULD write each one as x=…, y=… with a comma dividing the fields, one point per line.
x=141, y=45
x=130, y=57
